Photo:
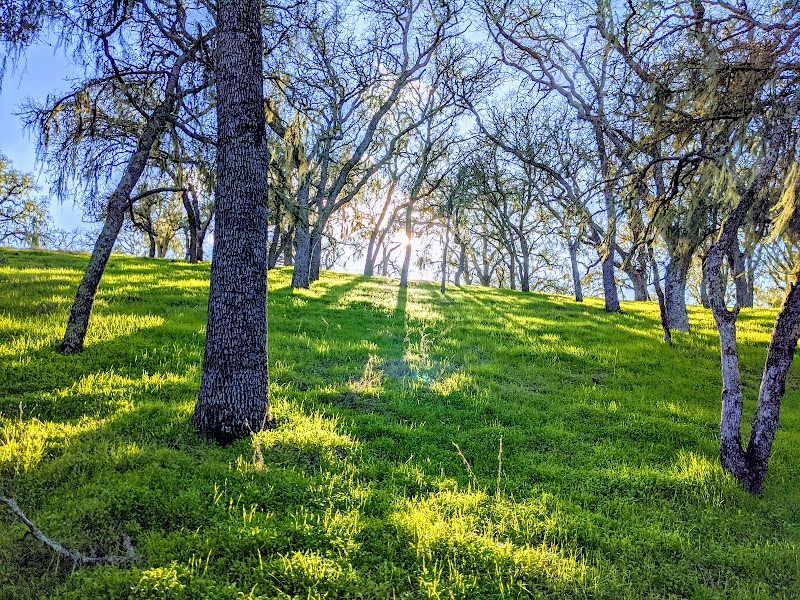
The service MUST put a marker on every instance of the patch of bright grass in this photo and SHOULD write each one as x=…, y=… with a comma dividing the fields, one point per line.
x=610, y=485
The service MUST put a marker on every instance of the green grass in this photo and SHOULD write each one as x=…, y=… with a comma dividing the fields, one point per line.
x=610, y=485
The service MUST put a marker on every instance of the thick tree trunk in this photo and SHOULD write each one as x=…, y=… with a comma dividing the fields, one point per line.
x=233, y=399
x=576, y=275
x=609, y=283
x=675, y=291
x=409, y=233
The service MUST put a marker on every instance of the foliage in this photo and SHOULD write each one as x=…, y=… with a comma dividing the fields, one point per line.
x=22, y=217
x=610, y=485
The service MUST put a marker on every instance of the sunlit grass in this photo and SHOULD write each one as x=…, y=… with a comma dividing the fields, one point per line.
x=607, y=486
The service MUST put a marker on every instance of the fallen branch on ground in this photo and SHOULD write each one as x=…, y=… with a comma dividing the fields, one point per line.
x=76, y=557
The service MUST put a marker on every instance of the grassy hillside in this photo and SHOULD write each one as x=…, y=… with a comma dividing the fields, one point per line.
x=609, y=485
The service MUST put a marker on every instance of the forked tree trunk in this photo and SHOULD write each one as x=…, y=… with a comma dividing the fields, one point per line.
x=742, y=280
x=749, y=466
x=233, y=399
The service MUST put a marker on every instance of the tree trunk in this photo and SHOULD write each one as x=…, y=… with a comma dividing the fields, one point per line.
x=409, y=233
x=576, y=276
x=191, y=207
x=316, y=256
x=462, y=261
x=445, y=252
x=524, y=272
x=742, y=280
x=609, y=283
x=675, y=291
x=118, y=204
x=302, y=255
x=662, y=304
x=288, y=257
x=233, y=399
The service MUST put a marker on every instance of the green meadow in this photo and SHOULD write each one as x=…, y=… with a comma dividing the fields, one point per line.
x=485, y=444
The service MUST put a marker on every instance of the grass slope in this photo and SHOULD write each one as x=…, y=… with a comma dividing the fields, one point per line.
x=609, y=487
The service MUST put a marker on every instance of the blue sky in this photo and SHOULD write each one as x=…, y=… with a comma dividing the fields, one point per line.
x=42, y=70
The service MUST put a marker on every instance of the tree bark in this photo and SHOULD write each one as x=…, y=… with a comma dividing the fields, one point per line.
x=742, y=280
x=576, y=276
x=233, y=399
x=675, y=291
x=462, y=262
x=609, y=283
x=662, y=304
x=316, y=256
x=302, y=255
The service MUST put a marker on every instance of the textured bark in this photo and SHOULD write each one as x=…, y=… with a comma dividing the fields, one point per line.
x=576, y=276
x=675, y=291
x=609, y=283
x=750, y=467
x=233, y=399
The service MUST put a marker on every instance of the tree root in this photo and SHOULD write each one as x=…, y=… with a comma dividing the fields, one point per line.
x=77, y=558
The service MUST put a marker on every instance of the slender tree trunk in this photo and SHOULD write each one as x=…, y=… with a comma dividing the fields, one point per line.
x=445, y=252
x=316, y=256
x=462, y=262
x=662, y=304
x=118, y=204
x=576, y=275
x=191, y=207
x=409, y=233
x=524, y=272
x=302, y=255
x=675, y=291
x=233, y=399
